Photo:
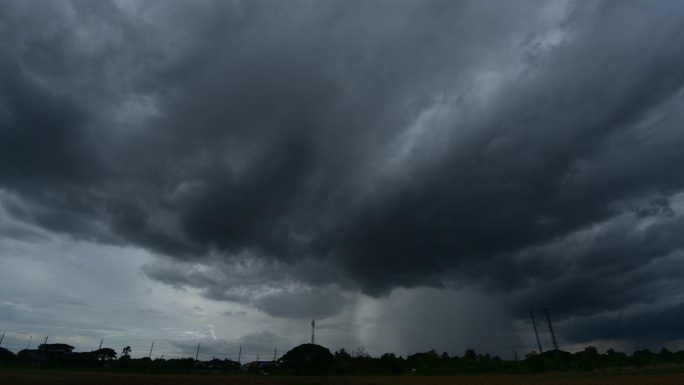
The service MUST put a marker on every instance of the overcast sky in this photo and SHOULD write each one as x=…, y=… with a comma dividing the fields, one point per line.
x=412, y=174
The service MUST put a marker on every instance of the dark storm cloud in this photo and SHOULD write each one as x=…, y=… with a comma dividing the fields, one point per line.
x=33, y=151
x=653, y=327
x=521, y=148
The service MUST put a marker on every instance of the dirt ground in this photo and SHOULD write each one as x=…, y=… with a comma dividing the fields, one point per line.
x=47, y=377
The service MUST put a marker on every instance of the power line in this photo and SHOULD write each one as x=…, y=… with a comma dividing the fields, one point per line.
x=553, y=336
x=534, y=324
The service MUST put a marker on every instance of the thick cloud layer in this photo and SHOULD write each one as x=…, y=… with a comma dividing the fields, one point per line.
x=281, y=155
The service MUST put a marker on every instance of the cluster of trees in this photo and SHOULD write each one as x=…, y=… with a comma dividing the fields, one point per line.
x=590, y=359
x=314, y=359
x=58, y=355
x=62, y=356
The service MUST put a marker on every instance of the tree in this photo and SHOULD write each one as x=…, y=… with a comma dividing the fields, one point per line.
x=360, y=352
x=342, y=355
x=6, y=356
x=53, y=354
x=587, y=360
x=106, y=354
x=308, y=359
x=55, y=349
x=643, y=357
x=424, y=362
x=344, y=362
x=79, y=360
x=362, y=360
x=616, y=359
x=126, y=352
x=29, y=356
x=665, y=355
x=390, y=363
x=591, y=351
x=470, y=355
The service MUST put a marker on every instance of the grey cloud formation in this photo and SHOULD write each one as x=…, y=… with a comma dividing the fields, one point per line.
x=283, y=155
x=261, y=343
x=276, y=290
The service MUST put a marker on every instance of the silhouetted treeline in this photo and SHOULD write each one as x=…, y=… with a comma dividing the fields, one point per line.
x=311, y=359
x=61, y=356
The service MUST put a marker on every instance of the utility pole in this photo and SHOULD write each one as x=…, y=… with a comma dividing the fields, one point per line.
x=240, y=354
x=46, y=337
x=275, y=353
x=2, y=338
x=534, y=324
x=151, y=347
x=29, y=343
x=553, y=336
x=197, y=354
x=313, y=325
x=102, y=340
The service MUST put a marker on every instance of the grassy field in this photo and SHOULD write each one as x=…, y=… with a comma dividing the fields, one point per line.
x=56, y=377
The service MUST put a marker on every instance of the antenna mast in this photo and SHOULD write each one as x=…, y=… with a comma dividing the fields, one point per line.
x=534, y=324
x=313, y=325
x=553, y=336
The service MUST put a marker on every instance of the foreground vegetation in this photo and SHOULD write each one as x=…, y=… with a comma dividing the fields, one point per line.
x=311, y=359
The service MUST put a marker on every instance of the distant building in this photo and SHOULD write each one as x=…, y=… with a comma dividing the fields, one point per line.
x=260, y=367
